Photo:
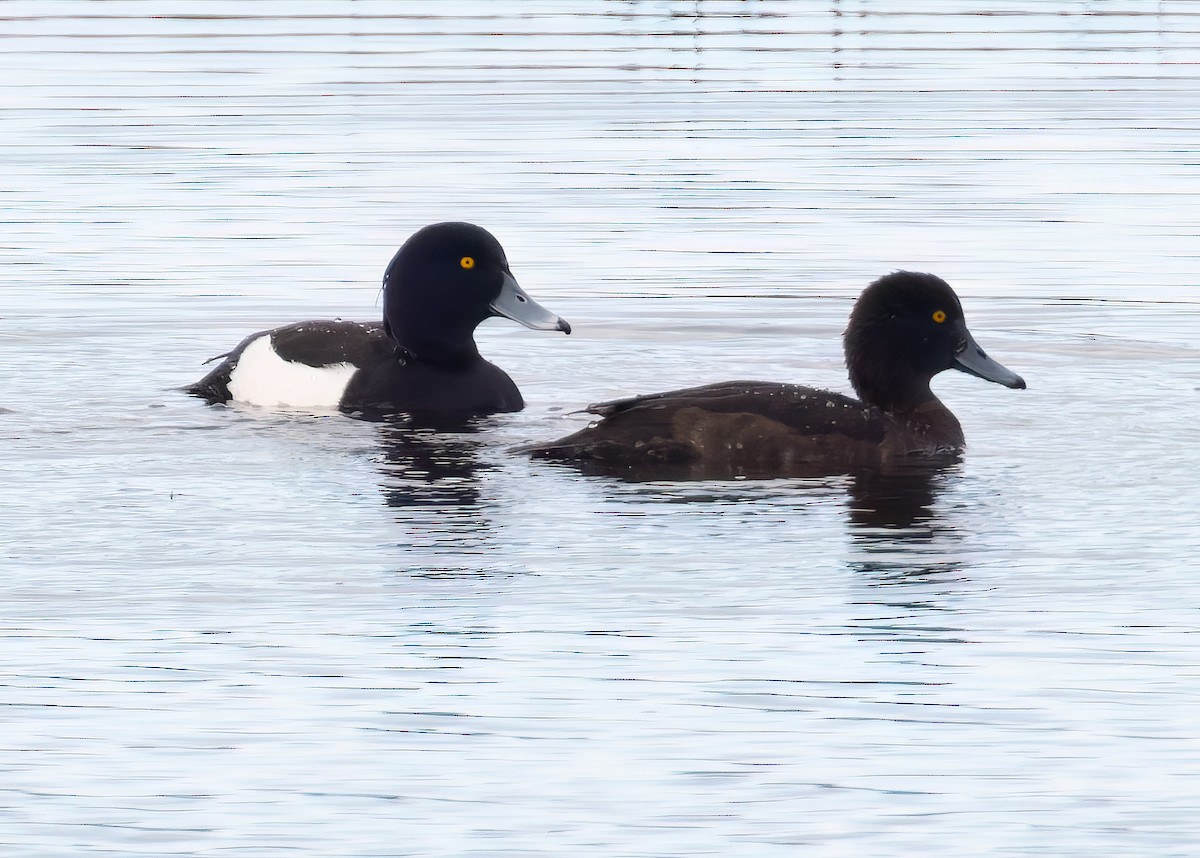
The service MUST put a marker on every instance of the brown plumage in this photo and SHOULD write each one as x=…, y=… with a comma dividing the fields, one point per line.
x=904, y=329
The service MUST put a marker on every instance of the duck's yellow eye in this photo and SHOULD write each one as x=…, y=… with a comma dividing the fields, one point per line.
x=939, y=316
x=467, y=262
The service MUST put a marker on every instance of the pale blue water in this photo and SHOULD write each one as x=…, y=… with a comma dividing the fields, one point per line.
x=227, y=632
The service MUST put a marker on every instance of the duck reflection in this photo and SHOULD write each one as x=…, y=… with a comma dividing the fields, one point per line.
x=431, y=474
x=898, y=499
x=895, y=522
x=428, y=464
x=896, y=525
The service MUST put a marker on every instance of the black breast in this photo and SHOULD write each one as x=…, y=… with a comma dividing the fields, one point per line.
x=423, y=388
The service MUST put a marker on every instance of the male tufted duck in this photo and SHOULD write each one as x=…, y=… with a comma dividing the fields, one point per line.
x=444, y=281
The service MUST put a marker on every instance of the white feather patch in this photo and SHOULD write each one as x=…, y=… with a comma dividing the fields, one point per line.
x=263, y=378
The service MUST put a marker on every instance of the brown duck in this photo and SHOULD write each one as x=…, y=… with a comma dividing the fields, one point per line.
x=905, y=328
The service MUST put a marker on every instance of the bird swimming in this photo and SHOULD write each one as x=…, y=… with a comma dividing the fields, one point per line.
x=905, y=328
x=442, y=283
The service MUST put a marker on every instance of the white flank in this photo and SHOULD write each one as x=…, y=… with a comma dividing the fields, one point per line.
x=263, y=378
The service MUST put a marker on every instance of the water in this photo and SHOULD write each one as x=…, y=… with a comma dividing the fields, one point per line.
x=238, y=633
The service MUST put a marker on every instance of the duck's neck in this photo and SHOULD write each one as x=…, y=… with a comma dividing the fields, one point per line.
x=448, y=352
x=891, y=388
x=936, y=420
x=913, y=402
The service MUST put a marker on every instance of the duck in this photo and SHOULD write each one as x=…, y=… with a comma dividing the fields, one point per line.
x=444, y=281
x=905, y=328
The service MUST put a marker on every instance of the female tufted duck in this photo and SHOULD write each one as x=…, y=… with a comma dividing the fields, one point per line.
x=904, y=329
x=444, y=281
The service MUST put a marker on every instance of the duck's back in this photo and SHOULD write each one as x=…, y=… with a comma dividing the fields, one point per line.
x=306, y=364
x=732, y=428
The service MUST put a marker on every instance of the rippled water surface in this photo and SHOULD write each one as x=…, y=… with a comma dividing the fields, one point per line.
x=231, y=632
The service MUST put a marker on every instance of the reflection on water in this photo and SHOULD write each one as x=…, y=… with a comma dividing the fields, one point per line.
x=899, y=530
x=897, y=499
x=424, y=465
x=432, y=477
